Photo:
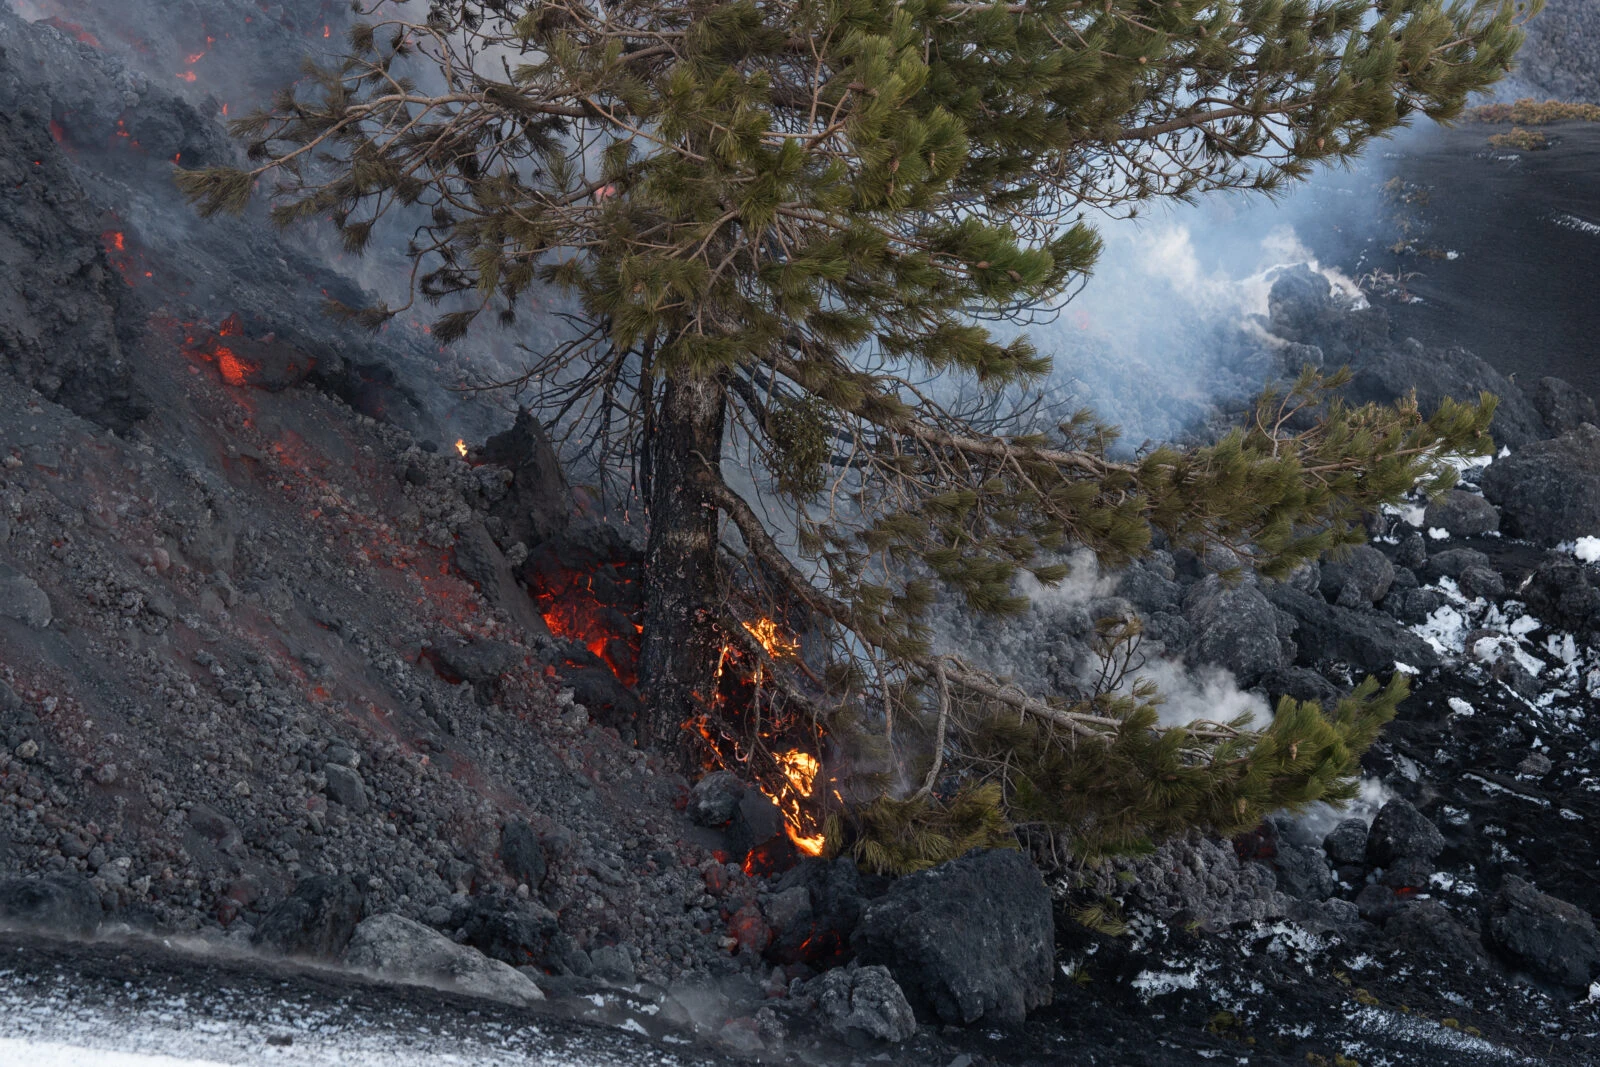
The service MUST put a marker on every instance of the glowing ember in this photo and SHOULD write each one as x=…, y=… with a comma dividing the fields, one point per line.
x=118, y=242
x=461, y=448
x=235, y=371
x=775, y=641
x=188, y=76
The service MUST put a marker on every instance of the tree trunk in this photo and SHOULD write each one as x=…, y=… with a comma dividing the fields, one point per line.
x=680, y=646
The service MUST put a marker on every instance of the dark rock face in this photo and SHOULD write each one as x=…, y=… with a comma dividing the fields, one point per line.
x=1550, y=491
x=346, y=787
x=1402, y=832
x=1236, y=627
x=1562, y=405
x=1546, y=937
x=1366, y=641
x=819, y=932
x=315, y=921
x=522, y=854
x=1361, y=580
x=478, y=661
x=856, y=1000
x=1452, y=562
x=968, y=940
x=1463, y=514
x=59, y=903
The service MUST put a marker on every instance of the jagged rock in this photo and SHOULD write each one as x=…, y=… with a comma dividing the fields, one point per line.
x=315, y=921
x=1400, y=831
x=1303, y=872
x=479, y=661
x=522, y=854
x=1149, y=586
x=1236, y=628
x=1412, y=552
x=819, y=933
x=1463, y=514
x=1549, y=492
x=1413, y=605
x=864, y=1000
x=1195, y=877
x=1300, y=684
x=614, y=963
x=58, y=903
x=971, y=939
x=346, y=787
x=1547, y=937
x=538, y=503
x=1366, y=641
x=1346, y=844
x=398, y=949
x=756, y=821
x=1364, y=578
x=714, y=800
x=1562, y=405
x=217, y=827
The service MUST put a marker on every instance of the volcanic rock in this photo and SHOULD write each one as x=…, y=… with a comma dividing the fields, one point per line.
x=522, y=853
x=970, y=939
x=1236, y=627
x=59, y=903
x=346, y=787
x=22, y=599
x=1547, y=937
x=216, y=827
x=315, y=921
x=538, y=504
x=1550, y=491
x=1303, y=872
x=714, y=800
x=479, y=661
x=520, y=932
x=1366, y=641
x=1425, y=928
x=856, y=1000
x=1463, y=514
x=1346, y=844
x=400, y=950
x=1361, y=579
x=819, y=932
x=1400, y=831
x=1453, y=562
x=1560, y=593
x=756, y=821
x=1302, y=308
x=1562, y=405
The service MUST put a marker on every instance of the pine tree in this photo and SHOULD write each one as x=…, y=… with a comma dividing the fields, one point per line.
x=778, y=221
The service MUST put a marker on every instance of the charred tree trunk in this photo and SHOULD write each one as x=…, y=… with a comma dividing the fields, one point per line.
x=680, y=645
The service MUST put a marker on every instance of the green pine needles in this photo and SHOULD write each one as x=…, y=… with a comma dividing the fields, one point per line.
x=780, y=221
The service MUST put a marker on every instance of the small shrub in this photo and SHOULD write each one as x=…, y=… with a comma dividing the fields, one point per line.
x=1521, y=140
x=1529, y=112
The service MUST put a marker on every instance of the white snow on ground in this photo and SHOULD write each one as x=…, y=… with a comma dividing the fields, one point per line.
x=1587, y=549
x=54, y=1054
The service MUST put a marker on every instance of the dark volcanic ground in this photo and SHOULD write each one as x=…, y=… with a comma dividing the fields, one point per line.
x=1522, y=291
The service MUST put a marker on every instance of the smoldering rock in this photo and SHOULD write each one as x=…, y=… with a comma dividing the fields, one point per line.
x=972, y=939
x=316, y=921
x=1545, y=936
x=401, y=950
x=1549, y=492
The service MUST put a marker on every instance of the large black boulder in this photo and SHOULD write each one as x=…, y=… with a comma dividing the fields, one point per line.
x=1462, y=514
x=522, y=853
x=1236, y=627
x=1562, y=405
x=1360, y=580
x=1550, y=491
x=538, y=504
x=520, y=932
x=315, y=921
x=1402, y=832
x=972, y=939
x=58, y=903
x=1365, y=641
x=1546, y=937
x=1560, y=594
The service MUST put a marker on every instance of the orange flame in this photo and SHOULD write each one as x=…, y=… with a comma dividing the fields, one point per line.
x=800, y=773
x=461, y=448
